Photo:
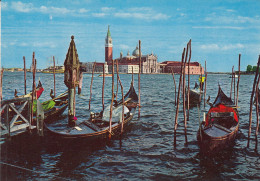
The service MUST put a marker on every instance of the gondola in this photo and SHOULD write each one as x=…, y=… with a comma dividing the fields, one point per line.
x=195, y=95
x=39, y=90
x=97, y=126
x=221, y=125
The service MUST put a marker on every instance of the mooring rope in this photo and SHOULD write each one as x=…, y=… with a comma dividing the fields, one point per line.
x=27, y=169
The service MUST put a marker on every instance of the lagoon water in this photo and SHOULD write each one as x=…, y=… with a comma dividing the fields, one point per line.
x=146, y=150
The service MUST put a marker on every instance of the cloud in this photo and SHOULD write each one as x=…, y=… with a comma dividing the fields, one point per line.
x=4, y=5
x=29, y=7
x=232, y=19
x=107, y=9
x=44, y=44
x=213, y=47
x=99, y=14
x=144, y=16
x=22, y=7
x=124, y=47
x=219, y=27
x=83, y=10
x=50, y=17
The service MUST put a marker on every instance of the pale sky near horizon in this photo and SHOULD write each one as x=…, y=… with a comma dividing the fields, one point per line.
x=219, y=30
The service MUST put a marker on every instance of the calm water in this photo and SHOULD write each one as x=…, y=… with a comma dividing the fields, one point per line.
x=146, y=150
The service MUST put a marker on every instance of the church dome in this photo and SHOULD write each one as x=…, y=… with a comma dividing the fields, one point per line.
x=136, y=52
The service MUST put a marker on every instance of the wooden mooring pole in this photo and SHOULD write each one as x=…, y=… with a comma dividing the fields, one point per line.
x=234, y=85
x=205, y=89
x=251, y=102
x=175, y=102
x=123, y=100
x=188, y=97
x=257, y=111
x=178, y=100
x=112, y=100
x=34, y=86
x=139, y=80
x=54, y=76
x=24, y=70
x=103, y=88
x=231, y=82
x=1, y=84
x=93, y=69
x=238, y=78
x=184, y=94
x=117, y=78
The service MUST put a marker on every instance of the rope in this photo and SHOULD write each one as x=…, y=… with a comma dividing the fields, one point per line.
x=22, y=168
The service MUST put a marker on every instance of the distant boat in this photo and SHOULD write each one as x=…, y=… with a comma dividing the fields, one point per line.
x=106, y=75
x=236, y=76
x=58, y=69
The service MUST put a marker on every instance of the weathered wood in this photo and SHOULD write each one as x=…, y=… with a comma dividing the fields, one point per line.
x=103, y=88
x=174, y=88
x=139, y=80
x=251, y=102
x=54, y=77
x=178, y=100
x=188, y=97
x=18, y=113
x=93, y=69
x=133, y=74
x=7, y=119
x=234, y=86
x=238, y=78
x=205, y=87
x=1, y=84
x=117, y=77
x=112, y=100
x=231, y=82
x=2, y=107
x=24, y=70
x=184, y=89
x=39, y=118
x=33, y=89
x=123, y=100
x=257, y=113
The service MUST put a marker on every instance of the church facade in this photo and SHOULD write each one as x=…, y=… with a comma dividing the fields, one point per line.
x=129, y=63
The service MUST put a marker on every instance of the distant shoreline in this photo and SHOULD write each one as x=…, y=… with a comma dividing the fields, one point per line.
x=218, y=73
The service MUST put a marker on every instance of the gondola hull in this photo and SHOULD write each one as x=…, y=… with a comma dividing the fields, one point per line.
x=220, y=128
x=214, y=144
x=97, y=126
x=195, y=96
x=92, y=135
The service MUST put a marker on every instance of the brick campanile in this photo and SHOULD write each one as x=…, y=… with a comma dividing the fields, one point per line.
x=108, y=47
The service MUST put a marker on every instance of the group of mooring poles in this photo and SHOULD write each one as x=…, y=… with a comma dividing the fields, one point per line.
x=255, y=93
x=122, y=90
x=34, y=94
x=182, y=85
x=235, y=84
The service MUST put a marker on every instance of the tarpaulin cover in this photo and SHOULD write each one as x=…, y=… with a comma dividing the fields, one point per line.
x=221, y=108
x=47, y=105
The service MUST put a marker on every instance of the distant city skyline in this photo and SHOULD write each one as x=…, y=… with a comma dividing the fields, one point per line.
x=219, y=30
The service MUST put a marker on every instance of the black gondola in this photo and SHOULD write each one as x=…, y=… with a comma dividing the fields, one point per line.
x=97, y=126
x=221, y=124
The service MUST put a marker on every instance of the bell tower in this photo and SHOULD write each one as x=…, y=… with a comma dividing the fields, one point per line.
x=108, y=48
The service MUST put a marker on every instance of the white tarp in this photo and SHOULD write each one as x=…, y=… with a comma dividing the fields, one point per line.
x=116, y=113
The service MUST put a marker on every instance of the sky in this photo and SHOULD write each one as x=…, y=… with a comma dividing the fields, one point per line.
x=219, y=30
